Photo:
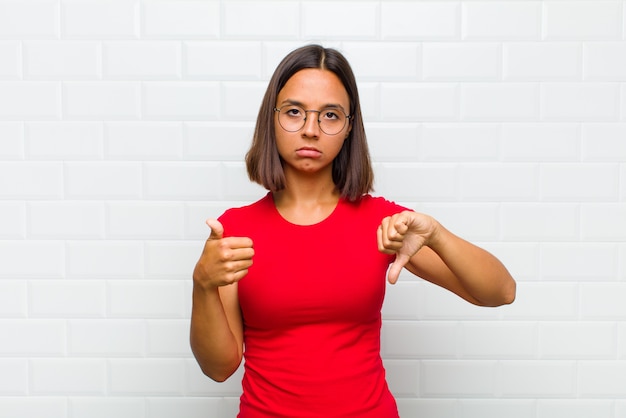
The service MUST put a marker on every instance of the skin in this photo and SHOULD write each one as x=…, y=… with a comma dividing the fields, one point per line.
x=421, y=244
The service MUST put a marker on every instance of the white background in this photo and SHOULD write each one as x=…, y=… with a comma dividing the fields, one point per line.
x=123, y=125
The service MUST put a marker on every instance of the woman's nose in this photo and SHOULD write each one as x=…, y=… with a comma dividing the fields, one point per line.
x=311, y=124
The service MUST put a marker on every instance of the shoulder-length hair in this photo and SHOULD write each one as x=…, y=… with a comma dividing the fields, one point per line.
x=352, y=169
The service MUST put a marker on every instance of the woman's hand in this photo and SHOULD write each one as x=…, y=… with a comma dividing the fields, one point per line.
x=224, y=261
x=404, y=234
x=216, y=334
x=448, y=261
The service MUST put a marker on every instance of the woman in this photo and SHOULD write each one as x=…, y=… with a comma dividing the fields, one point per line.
x=298, y=277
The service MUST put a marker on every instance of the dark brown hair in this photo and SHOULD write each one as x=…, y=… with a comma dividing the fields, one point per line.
x=352, y=169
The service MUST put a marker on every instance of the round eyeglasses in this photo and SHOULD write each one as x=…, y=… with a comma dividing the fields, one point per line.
x=331, y=120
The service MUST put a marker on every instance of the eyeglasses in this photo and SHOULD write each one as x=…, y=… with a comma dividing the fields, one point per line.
x=331, y=120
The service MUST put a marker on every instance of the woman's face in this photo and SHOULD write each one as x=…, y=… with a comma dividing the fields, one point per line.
x=311, y=94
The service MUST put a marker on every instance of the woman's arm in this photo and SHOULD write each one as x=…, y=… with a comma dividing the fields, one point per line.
x=216, y=331
x=216, y=334
x=429, y=250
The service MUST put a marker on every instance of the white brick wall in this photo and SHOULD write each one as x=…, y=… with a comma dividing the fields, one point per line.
x=123, y=125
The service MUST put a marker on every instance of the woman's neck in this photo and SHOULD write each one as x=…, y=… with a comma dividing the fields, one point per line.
x=305, y=202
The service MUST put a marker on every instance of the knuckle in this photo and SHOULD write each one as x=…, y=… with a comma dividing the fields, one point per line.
x=229, y=268
x=225, y=253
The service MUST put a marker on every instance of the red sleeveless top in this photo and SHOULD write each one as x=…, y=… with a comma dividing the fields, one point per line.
x=311, y=306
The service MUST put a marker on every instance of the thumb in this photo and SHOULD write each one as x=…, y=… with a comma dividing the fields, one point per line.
x=396, y=267
x=217, y=230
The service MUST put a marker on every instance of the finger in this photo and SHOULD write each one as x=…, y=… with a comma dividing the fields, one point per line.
x=234, y=267
x=397, y=228
x=396, y=268
x=391, y=240
x=380, y=240
x=217, y=230
x=240, y=275
x=401, y=226
x=240, y=253
x=386, y=245
x=236, y=242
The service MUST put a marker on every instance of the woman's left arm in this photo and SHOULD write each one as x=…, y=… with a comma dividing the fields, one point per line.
x=427, y=249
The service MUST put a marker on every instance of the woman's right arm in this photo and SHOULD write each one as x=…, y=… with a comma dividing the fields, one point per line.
x=216, y=334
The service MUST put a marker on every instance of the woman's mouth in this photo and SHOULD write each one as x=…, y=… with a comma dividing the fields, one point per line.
x=308, y=152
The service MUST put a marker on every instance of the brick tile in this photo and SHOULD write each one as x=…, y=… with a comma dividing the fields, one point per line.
x=517, y=20
x=577, y=408
x=101, y=100
x=143, y=140
x=506, y=102
x=181, y=181
x=588, y=102
x=33, y=337
x=64, y=140
x=30, y=100
x=181, y=100
x=176, y=19
x=12, y=145
x=107, y=337
x=241, y=19
x=79, y=376
x=429, y=20
x=30, y=406
x=461, y=61
x=10, y=60
x=67, y=299
x=589, y=20
x=28, y=20
x=541, y=61
x=14, y=377
x=121, y=180
x=603, y=142
x=226, y=60
x=157, y=377
x=54, y=59
x=93, y=407
x=100, y=19
x=142, y=60
x=12, y=220
x=558, y=378
x=317, y=22
x=384, y=60
x=602, y=379
x=108, y=259
x=450, y=378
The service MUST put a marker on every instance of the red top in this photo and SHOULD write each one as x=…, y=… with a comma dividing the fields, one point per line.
x=311, y=306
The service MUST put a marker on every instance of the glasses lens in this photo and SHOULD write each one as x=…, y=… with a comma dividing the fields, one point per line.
x=331, y=120
x=291, y=118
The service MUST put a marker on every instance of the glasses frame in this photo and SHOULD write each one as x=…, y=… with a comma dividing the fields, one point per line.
x=319, y=122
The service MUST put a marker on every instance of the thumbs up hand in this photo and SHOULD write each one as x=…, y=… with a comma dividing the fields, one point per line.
x=223, y=261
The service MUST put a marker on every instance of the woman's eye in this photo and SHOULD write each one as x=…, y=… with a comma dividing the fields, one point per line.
x=293, y=112
x=330, y=115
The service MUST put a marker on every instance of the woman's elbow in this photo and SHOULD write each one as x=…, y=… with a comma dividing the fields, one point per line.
x=504, y=295
x=217, y=369
x=219, y=375
x=507, y=293
x=511, y=293
x=219, y=378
